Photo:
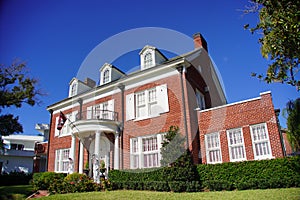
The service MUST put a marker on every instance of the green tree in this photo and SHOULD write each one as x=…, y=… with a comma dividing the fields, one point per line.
x=16, y=88
x=279, y=27
x=293, y=123
x=172, y=146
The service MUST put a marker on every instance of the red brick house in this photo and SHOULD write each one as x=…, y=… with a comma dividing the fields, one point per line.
x=122, y=121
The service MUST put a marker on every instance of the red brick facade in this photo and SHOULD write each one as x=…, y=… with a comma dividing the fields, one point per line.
x=241, y=115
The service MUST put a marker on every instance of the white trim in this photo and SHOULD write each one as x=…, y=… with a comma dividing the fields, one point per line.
x=230, y=146
x=227, y=105
x=234, y=103
x=207, y=150
x=130, y=81
x=267, y=139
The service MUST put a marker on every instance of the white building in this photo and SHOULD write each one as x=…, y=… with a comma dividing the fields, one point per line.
x=18, y=153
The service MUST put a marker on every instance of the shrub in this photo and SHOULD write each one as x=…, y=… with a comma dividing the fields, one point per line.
x=275, y=173
x=15, y=178
x=43, y=180
x=76, y=182
x=177, y=186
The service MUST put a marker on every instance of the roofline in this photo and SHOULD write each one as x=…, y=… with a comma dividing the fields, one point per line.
x=122, y=80
x=234, y=103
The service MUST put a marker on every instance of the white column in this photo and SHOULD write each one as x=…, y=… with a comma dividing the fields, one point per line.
x=97, y=143
x=72, y=155
x=117, y=153
x=81, y=150
x=96, y=159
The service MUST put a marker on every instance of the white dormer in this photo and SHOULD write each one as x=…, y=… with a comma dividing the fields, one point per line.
x=77, y=86
x=109, y=73
x=151, y=56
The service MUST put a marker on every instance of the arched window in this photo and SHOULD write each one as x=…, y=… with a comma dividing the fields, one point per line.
x=148, y=60
x=106, y=76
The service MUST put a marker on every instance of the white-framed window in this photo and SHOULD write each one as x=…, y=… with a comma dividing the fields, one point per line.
x=236, y=144
x=101, y=111
x=148, y=103
x=260, y=141
x=213, y=148
x=148, y=60
x=145, y=151
x=200, y=100
x=106, y=76
x=67, y=128
x=74, y=89
x=62, y=160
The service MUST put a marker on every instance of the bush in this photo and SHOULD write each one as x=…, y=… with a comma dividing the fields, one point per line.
x=15, y=178
x=43, y=180
x=275, y=173
x=177, y=186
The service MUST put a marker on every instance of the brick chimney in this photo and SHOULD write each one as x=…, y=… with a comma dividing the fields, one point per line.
x=199, y=41
x=91, y=83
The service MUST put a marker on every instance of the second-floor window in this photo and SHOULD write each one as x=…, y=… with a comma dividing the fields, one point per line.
x=101, y=111
x=147, y=103
x=17, y=146
x=200, y=100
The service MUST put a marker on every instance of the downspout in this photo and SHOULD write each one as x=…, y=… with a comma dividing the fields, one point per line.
x=48, y=146
x=277, y=111
x=182, y=70
x=80, y=117
x=121, y=157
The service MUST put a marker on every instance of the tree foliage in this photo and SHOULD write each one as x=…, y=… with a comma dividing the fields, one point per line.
x=16, y=88
x=293, y=123
x=172, y=146
x=279, y=27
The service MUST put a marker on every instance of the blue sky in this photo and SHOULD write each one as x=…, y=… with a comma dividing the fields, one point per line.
x=55, y=36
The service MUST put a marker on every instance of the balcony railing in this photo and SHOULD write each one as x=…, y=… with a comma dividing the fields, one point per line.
x=98, y=114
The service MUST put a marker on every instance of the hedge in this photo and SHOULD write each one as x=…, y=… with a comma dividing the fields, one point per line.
x=15, y=178
x=275, y=173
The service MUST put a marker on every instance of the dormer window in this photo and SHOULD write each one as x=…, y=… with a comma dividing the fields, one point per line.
x=150, y=57
x=106, y=76
x=148, y=60
x=73, y=89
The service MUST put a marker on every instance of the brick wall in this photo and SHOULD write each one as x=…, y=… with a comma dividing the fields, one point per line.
x=241, y=115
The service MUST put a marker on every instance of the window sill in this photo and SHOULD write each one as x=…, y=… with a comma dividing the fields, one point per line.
x=145, y=117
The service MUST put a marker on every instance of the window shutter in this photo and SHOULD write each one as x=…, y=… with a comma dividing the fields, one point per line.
x=129, y=106
x=162, y=98
x=89, y=112
x=111, y=105
x=56, y=132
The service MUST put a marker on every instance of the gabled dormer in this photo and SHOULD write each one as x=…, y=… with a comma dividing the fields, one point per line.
x=77, y=86
x=151, y=56
x=109, y=73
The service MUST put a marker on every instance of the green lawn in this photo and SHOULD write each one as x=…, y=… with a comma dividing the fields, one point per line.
x=286, y=193
x=15, y=192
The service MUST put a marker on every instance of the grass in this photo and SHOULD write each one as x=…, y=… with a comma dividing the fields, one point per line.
x=15, y=192
x=286, y=193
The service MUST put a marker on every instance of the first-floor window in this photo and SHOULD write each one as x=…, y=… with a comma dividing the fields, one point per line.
x=260, y=141
x=62, y=160
x=145, y=151
x=213, y=148
x=236, y=144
